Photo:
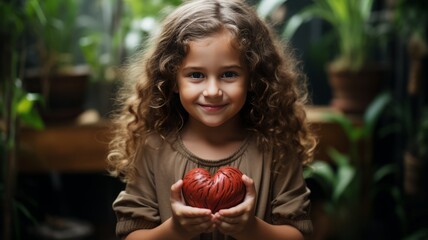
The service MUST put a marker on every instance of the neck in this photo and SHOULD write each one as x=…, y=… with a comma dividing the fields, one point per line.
x=230, y=132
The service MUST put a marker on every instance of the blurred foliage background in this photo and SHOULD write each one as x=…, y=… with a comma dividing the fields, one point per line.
x=375, y=190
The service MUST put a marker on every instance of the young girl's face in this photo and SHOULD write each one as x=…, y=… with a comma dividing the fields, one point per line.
x=212, y=80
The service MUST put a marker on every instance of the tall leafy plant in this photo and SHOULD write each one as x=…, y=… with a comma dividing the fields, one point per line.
x=351, y=181
x=351, y=24
x=52, y=26
x=16, y=107
x=112, y=31
x=118, y=29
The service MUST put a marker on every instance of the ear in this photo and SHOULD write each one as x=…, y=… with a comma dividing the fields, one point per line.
x=175, y=88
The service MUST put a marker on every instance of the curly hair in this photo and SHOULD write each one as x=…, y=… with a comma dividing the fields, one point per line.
x=274, y=109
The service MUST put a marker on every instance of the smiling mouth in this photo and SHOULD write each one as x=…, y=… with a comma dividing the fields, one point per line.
x=212, y=108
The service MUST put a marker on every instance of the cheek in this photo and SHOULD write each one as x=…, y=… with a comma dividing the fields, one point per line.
x=239, y=92
x=186, y=91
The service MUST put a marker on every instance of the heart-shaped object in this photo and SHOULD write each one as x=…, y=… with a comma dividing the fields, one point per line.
x=223, y=190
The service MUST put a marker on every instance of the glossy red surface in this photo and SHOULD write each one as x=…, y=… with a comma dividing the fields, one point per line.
x=223, y=190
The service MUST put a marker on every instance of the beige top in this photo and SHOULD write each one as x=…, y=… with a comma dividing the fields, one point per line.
x=282, y=198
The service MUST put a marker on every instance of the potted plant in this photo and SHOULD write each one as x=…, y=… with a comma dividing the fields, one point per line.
x=112, y=31
x=52, y=67
x=351, y=182
x=354, y=76
x=411, y=111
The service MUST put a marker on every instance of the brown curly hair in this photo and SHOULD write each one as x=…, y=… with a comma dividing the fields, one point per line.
x=274, y=109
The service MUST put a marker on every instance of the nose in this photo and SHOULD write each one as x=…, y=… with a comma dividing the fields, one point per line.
x=212, y=88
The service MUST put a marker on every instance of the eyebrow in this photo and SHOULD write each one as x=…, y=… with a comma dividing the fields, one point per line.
x=223, y=67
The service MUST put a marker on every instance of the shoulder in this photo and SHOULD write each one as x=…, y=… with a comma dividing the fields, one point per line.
x=153, y=141
x=154, y=147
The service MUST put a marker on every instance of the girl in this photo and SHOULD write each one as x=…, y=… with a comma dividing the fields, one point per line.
x=215, y=89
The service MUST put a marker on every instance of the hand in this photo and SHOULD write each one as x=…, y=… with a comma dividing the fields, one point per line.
x=189, y=220
x=235, y=220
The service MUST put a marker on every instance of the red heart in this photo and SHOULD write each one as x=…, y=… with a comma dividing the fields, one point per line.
x=224, y=190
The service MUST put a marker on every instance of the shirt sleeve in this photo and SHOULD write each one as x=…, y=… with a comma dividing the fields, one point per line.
x=290, y=197
x=137, y=207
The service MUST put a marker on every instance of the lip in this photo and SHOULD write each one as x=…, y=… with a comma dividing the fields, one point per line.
x=212, y=107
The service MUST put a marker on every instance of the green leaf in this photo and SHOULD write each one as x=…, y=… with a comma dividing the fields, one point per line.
x=21, y=208
x=321, y=169
x=32, y=119
x=345, y=176
x=374, y=111
x=345, y=173
x=366, y=7
x=344, y=122
x=302, y=17
x=27, y=113
x=323, y=174
x=33, y=8
x=340, y=159
x=356, y=134
x=384, y=171
x=25, y=104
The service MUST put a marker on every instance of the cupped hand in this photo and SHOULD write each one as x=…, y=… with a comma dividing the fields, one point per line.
x=235, y=220
x=189, y=220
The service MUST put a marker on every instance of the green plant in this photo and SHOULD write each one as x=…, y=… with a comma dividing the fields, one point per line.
x=103, y=38
x=52, y=26
x=122, y=28
x=352, y=181
x=16, y=108
x=413, y=127
x=410, y=18
x=54, y=65
x=353, y=28
x=411, y=113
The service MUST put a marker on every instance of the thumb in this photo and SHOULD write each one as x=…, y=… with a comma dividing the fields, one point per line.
x=249, y=185
x=176, y=191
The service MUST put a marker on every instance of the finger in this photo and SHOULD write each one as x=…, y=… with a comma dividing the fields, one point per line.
x=176, y=191
x=198, y=225
x=204, y=227
x=247, y=205
x=232, y=212
x=182, y=210
x=249, y=185
x=224, y=227
x=198, y=220
x=229, y=220
x=191, y=212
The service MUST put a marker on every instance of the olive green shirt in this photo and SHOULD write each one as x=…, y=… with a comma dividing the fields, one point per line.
x=282, y=195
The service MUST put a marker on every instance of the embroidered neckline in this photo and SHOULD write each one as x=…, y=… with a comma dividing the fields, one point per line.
x=182, y=149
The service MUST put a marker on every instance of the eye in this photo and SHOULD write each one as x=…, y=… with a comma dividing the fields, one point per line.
x=196, y=75
x=229, y=75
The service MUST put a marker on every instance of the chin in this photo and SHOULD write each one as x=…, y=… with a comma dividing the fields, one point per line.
x=213, y=125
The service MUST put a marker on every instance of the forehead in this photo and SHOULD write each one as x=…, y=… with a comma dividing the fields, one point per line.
x=221, y=46
x=223, y=34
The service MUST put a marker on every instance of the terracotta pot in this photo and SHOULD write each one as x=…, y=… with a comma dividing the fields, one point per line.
x=354, y=91
x=65, y=95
